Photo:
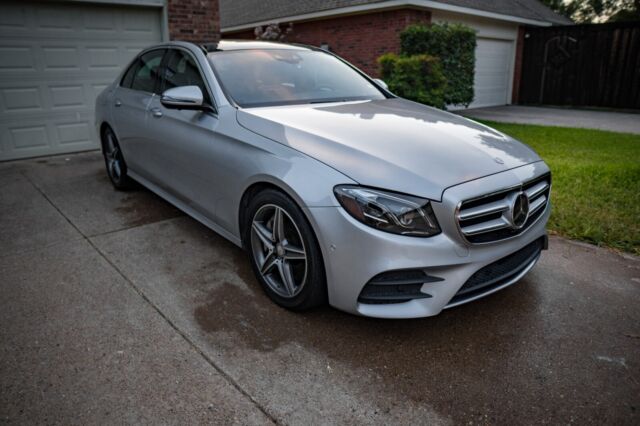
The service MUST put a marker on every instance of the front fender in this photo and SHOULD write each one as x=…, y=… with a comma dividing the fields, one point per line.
x=254, y=159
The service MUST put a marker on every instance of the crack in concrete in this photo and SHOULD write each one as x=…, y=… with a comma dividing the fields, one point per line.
x=186, y=338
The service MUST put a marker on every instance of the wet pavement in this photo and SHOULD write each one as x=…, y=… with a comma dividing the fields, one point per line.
x=118, y=308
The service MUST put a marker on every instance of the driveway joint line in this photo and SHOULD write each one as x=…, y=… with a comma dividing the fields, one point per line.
x=191, y=343
x=127, y=228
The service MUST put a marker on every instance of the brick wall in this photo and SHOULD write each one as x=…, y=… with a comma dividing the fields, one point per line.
x=194, y=20
x=360, y=39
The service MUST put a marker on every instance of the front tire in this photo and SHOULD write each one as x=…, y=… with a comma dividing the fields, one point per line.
x=114, y=161
x=284, y=252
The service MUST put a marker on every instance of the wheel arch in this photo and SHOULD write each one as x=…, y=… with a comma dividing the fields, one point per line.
x=269, y=183
x=103, y=127
x=259, y=185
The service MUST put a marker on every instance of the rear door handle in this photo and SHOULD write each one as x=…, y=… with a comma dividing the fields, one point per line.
x=156, y=112
x=118, y=102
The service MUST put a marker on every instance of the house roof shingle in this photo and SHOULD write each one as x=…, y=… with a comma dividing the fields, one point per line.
x=235, y=13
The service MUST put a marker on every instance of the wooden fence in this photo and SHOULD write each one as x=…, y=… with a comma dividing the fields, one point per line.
x=594, y=65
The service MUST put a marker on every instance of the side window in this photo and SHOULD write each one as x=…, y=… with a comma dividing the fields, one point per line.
x=128, y=76
x=182, y=70
x=146, y=73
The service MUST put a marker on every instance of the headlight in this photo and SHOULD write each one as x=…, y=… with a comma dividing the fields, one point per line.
x=390, y=212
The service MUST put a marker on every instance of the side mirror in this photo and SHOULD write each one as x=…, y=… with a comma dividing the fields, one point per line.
x=183, y=97
x=381, y=83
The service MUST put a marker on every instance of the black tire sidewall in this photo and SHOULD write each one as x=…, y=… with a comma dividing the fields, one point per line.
x=124, y=182
x=314, y=292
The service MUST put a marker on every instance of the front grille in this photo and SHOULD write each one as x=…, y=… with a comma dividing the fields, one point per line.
x=396, y=287
x=486, y=219
x=499, y=273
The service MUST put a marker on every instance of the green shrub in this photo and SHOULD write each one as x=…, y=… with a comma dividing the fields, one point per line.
x=454, y=45
x=417, y=77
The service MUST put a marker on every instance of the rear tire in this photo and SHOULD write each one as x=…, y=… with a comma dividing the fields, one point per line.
x=284, y=252
x=114, y=161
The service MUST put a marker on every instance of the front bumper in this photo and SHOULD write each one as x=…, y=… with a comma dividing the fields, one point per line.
x=355, y=253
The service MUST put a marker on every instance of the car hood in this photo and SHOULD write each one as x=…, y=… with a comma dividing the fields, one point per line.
x=393, y=144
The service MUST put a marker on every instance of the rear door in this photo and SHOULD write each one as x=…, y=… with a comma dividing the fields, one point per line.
x=130, y=102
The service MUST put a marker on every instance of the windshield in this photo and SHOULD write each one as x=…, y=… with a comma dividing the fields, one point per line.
x=285, y=76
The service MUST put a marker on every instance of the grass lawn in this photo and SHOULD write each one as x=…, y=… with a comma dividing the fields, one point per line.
x=596, y=181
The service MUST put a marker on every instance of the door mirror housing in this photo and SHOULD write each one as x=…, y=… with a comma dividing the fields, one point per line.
x=381, y=83
x=183, y=97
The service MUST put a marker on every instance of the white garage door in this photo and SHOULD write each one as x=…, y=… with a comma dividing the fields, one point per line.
x=54, y=59
x=493, y=72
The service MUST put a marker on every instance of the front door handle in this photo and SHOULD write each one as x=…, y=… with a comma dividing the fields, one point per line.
x=118, y=102
x=156, y=112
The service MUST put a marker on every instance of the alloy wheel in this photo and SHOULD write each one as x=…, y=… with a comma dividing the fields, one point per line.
x=112, y=155
x=278, y=250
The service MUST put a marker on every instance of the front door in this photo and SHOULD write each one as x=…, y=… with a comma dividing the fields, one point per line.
x=185, y=141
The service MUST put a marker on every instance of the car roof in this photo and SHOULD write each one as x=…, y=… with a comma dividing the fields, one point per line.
x=228, y=45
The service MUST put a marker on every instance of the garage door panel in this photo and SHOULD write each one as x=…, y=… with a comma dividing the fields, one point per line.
x=67, y=20
x=100, y=20
x=57, y=135
x=132, y=50
x=139, y=22
x=55, y=58
x=20, y=99
x=54, y=17
x=29, y=137
x=67, y=96
x=491, y=79
x=59, y=58
x=495, y=68
x=16, y=59
x=97, y=88
x=492, y=72
x=26, y=57
x=74, y=133
x=103, y=58
x=13, y=17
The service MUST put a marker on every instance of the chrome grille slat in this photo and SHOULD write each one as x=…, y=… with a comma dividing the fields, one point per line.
x=480, y=228
x=536, y=190
x=487, y=218
x=537, y=204
x=495, y=207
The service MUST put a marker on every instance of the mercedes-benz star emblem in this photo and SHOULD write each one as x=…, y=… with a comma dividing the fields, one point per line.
x=519, y=210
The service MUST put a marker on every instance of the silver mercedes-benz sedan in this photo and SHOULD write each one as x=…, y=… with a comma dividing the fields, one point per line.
x=338, y=190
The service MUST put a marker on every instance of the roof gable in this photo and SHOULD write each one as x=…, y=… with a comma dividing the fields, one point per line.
x=236, y=13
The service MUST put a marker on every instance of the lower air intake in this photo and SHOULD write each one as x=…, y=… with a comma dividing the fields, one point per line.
x=499, y=273
x=396, y=287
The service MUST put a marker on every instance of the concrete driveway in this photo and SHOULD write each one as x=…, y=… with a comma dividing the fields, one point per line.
x=116, y=308
x=564, y=117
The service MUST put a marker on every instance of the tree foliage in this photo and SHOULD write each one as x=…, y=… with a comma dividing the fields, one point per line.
x=272, y=32
x=596, y=11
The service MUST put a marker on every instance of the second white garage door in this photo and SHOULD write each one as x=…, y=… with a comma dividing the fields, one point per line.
x=492, y=81
x=54, y=59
